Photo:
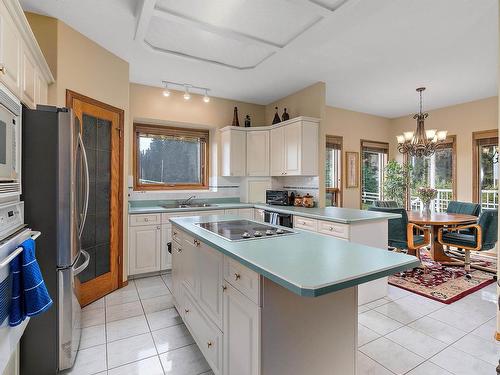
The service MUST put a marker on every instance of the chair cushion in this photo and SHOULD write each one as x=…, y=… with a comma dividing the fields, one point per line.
x=394, y=242
x=391, y=204
x=459, y=239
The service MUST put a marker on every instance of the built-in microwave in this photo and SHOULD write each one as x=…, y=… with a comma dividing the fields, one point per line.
x=10, y=144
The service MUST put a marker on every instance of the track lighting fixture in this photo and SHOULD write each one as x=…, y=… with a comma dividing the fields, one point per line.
x=187, y=90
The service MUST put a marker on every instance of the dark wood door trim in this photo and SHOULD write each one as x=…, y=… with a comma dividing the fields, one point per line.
x=71, y=96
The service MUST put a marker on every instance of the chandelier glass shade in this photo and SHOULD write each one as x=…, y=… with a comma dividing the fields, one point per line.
x=421, y=142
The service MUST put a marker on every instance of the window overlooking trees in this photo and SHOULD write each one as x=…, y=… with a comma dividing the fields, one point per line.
x=333, y=170
x=374, y=157
x=485, y=159
x=436, y=171
x=170, y=158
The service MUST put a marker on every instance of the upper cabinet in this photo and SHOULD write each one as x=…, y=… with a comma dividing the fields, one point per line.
x=258, y=153
x=233, y=150
x=289, y=148
x=23, y=69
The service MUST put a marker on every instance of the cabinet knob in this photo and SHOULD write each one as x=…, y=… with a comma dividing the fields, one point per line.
x=158, y=227
x=2, y=69
x=146, y=219
x=186, y=311
x=237, y=276
x=179, y=250
x=209, y=344
x=331, y=228
x=175, y=233
x=224, y=288
x=303, y=223
x=196, y=242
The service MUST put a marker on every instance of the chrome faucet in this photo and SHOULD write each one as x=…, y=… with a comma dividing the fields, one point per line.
x=186, y=202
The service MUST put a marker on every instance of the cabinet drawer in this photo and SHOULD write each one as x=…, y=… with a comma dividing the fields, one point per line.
x=205, y=333
x=176, y=235
x=333, y=229
x=144, y=219
x=305, y=223
x=243, y=279
x=166, y=216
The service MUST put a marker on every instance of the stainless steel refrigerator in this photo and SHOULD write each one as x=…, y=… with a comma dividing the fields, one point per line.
x=56, y=194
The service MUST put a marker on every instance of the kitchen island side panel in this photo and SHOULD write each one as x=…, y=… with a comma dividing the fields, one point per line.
x=304, y=335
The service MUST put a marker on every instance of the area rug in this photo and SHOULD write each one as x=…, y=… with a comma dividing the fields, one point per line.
x=442, y=283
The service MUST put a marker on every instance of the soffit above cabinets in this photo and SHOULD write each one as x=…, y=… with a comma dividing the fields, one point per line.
x=239, y=34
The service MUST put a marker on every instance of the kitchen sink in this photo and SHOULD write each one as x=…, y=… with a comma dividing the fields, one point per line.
x=189, y=205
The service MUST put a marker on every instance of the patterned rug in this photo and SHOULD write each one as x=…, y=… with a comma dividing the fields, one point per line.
x=442, y=283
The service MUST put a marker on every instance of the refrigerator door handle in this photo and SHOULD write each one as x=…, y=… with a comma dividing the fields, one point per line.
x=84, y=265
x=83, y=214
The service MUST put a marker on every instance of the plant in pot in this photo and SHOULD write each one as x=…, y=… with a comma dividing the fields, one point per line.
x=397, y=181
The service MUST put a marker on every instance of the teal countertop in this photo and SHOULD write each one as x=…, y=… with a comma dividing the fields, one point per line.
x=306, y=263
x=334, y=214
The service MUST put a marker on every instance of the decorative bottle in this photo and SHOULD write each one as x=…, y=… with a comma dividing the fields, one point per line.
x=248, y=122
x=276, y=118
x=285, y=116
x=235, y=117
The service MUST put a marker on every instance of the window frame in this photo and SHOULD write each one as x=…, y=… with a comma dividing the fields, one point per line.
x=476, y=137
x=450, y=139
x=172, y=131
x=339, y=140
x=366, y=143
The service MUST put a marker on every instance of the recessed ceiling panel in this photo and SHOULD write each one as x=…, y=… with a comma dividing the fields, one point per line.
x=277, y=21
x=204, y=45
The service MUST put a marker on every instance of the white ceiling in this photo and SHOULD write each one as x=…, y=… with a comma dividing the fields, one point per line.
x=371, y=54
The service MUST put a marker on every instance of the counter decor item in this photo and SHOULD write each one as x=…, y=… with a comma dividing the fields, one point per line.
x=276, y=118
x=297, y=202
x=285, y=116
x=426, y=195
x=235, y=117
x=248, y=121
x=351, y=169
x=308, y=201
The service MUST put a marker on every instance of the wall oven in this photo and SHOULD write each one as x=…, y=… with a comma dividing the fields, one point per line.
x=10, y=145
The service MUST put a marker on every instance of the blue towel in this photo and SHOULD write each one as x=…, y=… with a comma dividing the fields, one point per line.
x=29, y=294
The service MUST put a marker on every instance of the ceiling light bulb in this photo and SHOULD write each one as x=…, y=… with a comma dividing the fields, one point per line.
x=187, y=95
x=431, y=133
x=401, y=138
x=408, y=136
x=442, y=134
x=166, y=92
x=206, y=98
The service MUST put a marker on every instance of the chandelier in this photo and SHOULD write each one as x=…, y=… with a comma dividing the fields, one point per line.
x=422, y=142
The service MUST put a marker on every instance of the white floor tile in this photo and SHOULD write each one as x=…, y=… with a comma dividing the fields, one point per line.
x=184, y=361
x=120, y=329
x=99, y=304
x=487, y=350
x=148, y=366
x=363, y=308
x=168, y=280
x=394, y=293
x=461, y=363
x=400, y=312
x=365, y=335
x=378, y=322
x=367, y=366
x=461, y=320
x=92, y=336
x=437, y=329
x=429, y=368
x=163, y=319
x=131, y=349
x=172, y=338
x=376, y=303
x=154, y=304
x=90, y=361
x=475, y=305
x=154, y=291
x=123, y=311
x=92, y=317
x=391, y=355
x=147, y=282
x=487, y=330
x=417, y=342
x=123, y=295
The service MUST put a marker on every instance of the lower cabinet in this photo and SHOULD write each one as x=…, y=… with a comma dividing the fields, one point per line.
x=223, y=320
x=241, y=334
x=144, y=249
x=166, y=239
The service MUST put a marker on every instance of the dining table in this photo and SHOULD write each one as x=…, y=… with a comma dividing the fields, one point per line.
x=435, y=221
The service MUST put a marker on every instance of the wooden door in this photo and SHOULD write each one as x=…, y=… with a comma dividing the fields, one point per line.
x=101, y=126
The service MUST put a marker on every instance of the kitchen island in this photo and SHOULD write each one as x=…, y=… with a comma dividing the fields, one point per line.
x=276, y=305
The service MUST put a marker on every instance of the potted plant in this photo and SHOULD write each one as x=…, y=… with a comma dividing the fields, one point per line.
x=396, y=181
x=426, y=195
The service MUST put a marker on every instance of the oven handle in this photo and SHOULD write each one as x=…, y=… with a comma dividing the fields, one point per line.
x=15, y=253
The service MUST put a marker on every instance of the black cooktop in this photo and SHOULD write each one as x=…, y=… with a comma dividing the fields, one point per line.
x=240, y=230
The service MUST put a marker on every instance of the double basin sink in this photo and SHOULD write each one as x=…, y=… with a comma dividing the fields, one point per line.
x=188, y=205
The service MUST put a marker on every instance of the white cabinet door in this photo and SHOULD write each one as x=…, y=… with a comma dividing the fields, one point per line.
x=231, y=211
x=189, y=263
x=293, y=149
x=41, y=89
x=210, y=280
x=246, y=213
x=241, y=334
x=10, y=52
x=233, y=149
x=277, y=152
x=165, y=256
x=177, y=274
x=258, y=153
x=144, y=249
x=28, y=91
x=258, y=214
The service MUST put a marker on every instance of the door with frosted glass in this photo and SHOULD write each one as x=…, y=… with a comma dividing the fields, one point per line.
x=101, y=128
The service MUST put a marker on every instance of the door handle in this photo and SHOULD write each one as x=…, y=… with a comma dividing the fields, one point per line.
x=83, y=214
x=84, y=265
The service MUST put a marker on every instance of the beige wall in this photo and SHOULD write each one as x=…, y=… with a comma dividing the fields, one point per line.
x=83, y=66
x=460, y=120
x=352, y=127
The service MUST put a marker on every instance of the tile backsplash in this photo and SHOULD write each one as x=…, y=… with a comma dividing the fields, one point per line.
x=299, y=184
